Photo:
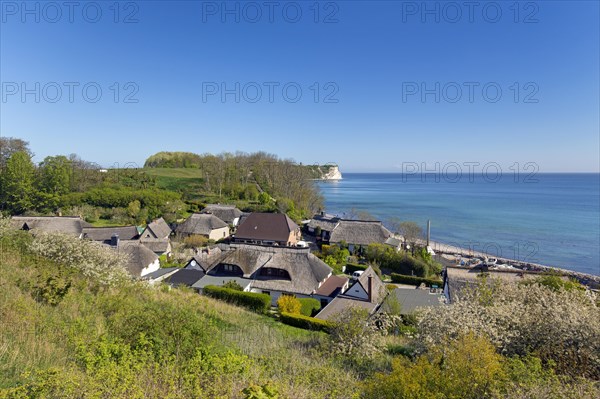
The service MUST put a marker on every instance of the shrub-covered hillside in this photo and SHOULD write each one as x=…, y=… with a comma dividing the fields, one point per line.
x=69, y=335
x=74, y=326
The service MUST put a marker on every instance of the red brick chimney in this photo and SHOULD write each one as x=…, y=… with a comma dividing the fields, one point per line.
x=370, y=289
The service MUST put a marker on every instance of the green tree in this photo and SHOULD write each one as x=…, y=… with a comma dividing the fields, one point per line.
x=55, y=175
x=10, y=145
x=17, y=183
x=412, y=233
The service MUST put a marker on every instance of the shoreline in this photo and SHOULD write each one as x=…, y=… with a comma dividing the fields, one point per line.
x=447, y=249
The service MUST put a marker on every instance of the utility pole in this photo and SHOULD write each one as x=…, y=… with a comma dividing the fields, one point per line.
x=428, y=231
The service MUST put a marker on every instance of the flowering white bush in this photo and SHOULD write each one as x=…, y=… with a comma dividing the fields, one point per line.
x=557, y=325
x=94, y=260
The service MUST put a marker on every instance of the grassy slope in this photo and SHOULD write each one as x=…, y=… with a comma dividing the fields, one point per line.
x=183, y=345
x=177, y=179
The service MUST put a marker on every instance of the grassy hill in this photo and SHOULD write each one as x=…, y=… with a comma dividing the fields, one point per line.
x=67, y=336
x=177, y=179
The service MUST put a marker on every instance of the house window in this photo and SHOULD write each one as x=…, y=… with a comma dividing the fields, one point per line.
x=275, y=273
x=231, y=269
x=266, y=292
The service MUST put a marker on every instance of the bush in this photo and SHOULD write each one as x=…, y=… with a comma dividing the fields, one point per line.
x=310, y=306
x=260, y=303
x=232, y=285
x=288, y=304
x=413, y=280
x=305, y=322
x=352, y=267
x=195, y=241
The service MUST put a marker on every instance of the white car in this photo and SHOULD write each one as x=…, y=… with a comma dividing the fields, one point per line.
x=357, y=274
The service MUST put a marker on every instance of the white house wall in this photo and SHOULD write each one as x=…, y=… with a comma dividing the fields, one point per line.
x=219, y=234
x=152, y=267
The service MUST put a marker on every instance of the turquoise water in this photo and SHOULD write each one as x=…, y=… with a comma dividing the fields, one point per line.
x=554, y=221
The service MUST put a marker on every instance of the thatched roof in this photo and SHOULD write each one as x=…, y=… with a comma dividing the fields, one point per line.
x=227, y=213
x=324, y=222
x=71, y=225
x=306, y=271
x=104, y=234
x=201, y=224
x=139, y=257
x=205, y=259
x=158, y=229
x=158, y=245
x=359, y=232
x=266, y=227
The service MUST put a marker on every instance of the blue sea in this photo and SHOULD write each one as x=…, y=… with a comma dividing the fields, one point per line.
x=551, y=219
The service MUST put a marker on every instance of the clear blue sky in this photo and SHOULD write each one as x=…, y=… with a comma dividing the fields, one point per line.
x=374, y=54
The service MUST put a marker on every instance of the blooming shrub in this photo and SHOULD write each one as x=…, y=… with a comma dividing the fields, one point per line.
x=93, y=260
x=560, y=326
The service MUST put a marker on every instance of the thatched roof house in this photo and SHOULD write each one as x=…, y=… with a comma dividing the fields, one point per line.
x=203, y=224
x=106, y=235
x=359, y=232
x=227, y=213
x=141, y=260
x=273, y=270
x=72, y=225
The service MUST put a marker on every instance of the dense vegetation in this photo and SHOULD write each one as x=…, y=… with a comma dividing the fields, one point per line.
x=253, y=177
x=69, y=331
x=71, y=186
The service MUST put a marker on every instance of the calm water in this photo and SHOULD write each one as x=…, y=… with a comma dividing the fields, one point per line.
x=554, y=221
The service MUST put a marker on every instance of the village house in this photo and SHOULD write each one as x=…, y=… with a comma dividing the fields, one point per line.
x=71, y=225
x=359, y=233
x=269, y=270
x=156, y=236
x=268, y=229
x=205, y=225
x=367, y=292
x=227, y=213
x=322, y=225
x=107, y=235
x=140, y=260
x=331, y=288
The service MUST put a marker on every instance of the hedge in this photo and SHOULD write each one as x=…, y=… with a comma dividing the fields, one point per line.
x=414, y=280
x=260, y=303
x=305, y=322
x=352, y=267
x=309, y=306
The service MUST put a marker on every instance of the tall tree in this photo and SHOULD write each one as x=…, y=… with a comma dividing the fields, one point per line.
x=412, y=233
x=17, y=183
x=55, y=175
x=10, y=145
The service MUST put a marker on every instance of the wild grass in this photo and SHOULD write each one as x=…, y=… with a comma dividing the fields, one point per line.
x=85, y=339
